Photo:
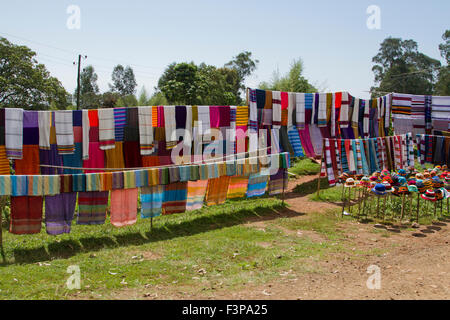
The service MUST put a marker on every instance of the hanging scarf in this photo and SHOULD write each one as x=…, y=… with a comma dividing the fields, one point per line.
x=106, y=130
x=120, y=121
x=300, y=104
x=276, y=109
x=14, y=132
x=86, y=127
x=145, y=130
x=366, y=118
x=64, y=131
x=355, y=115
x=151, y=201
x=44, y=129
x=253, y=112
x=329, y=164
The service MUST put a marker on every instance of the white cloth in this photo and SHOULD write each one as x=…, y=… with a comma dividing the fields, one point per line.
x=44, y=129
x=145, y=130
x=276, y=109
x=322, y=110
x=14, y=133
x=106, y=130
x=343, y=113
x=300, y=110
x=64, y=131
x=355, y=114
x=366, y=118
x=170, y=126
x=86, y=127
x=204, y=117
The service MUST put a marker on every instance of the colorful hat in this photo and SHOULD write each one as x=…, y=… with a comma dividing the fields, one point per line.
x=388, y=179
x=429, y=195
x=401, y=180
x=344, y=177
x=426, y=174
x=350, y=183
x=388, y=186
x=379, y=189
x=419, y=176
x=420, y=186
x=439, y=194
x=437, y=168
x=396, y=192
x=402, y=172
x=365, y=181
x=403, y=190
x=444, y=167
x=443, y=175
x=433, y=173
x=428, y=183
x=411, y=182
x=413, y=188
x=373, y=178
x=447, y=179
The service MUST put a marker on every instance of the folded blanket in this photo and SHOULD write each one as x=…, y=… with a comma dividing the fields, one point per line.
x=64, y=131
x=14, y=132
x=86, y=127
x=106, y=130
x=145, y=130
x=44, y=129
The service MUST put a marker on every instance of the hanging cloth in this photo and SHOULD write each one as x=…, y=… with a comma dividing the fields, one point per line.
x=145, y=130
x=196, y=191
x=64, y=131
x=14, y=132
x=151, y=201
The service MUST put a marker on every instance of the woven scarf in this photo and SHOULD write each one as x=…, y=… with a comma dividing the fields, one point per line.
x=196, y=191
x=123, y=209
x=14, y=132
x=145, y=130
x=321, y=109
x=427, y=106
x=276, y=109
x=106, y=130
x=253, y=111
x=329, y=164
x=44, y=129
x=64, y=131
x=120, y=121
x=86, y=127
x=151, y=201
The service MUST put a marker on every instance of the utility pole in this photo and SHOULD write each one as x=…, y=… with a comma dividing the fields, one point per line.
x=78, y=81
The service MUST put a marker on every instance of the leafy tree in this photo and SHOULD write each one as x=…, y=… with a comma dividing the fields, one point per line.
x=25, y=83
x=158, y=99
x=143, y=97
x=123, y=80
x=443, y=83
x=109, y=99
x=400, y=67
x=127, y=101
x=244, y=66
x=293, y=81
x=89, y=97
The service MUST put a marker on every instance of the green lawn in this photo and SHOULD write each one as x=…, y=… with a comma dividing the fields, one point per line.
x=304, y=166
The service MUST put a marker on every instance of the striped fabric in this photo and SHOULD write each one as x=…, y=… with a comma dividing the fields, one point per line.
x=366, y=118
x=59, y=211
x=151, y=201
x=329, y=163
x=5, y=185
x=322, y=110
x=237, y=187
x=357, y=152
x=355, y=114
x=216, y=192
x=14, y=132
x=145, y=130
x=427, y=111
x=276, y=109
x=278, y=182
x=44, y=129
x=92, y=207
x=26, y=215
x=174, y=198
x=64, y=131
x=401, y=104
x=85, y=134
x=106, y=128
x=294, y=139
x=253, y=112
x=257, y=184
x=196, y=191
x=4, y=162
x=242, y=115
x=120, y=120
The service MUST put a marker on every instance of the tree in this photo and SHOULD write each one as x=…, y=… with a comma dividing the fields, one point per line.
x=123, y=80
x=109, y=99
x=400, y=67
x=143, y=97
x=293, y=81
x=244, y=66
x=89, y=97
x=127, y=101
x=25, y=83
x=158, y=99
x=443, y=83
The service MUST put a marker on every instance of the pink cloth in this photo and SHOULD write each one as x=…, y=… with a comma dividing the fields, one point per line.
x=124, y=207
x=305, y=139
x=77, y=134
x=96, y=158
x=214, y=116
x=284, y=100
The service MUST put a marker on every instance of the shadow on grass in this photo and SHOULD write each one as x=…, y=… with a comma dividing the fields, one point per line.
x=160, y=232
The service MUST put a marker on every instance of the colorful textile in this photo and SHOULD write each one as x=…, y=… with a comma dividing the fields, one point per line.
x=253, y=110
x=26, y=215
x=276, y=109
x=64, y=131
x=120, y=121
x=237, y=187
x=92, y=207
x=196, y=191
x=5, y=185
x=96, y=158
x=174, y=199
x=151, y=201
x=216, y=192
x=114, y=157
x=329, y=163
x=124, y=207
x=4, y=162
x=145, y=130
x=29, y=164
x=44, y=129
x=257, y=184
x=131, y=130
x=401, y=104
x=86, y=129
x=14, y=132
x=59, y=210
x=278, y=182
x=106, y=129
x=73, y=160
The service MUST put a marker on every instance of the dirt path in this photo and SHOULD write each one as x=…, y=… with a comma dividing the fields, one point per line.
x=411, y=267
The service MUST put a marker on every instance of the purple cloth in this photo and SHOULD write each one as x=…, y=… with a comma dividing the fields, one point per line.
x=224, y=116
x=180, y=117
x=31, y=136
x=51, y=157
x=77, y=118
x=30, y=119
x=347, y=133
x=59, y=212
x=260, y=98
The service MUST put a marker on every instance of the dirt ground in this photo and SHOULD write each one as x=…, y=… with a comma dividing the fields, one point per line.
x=413, y=264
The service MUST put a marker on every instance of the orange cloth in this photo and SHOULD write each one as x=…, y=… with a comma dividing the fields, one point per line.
x=216, y=192
x=124, y=207
x=114, y=157
x=29, y=164
x=150, y=161
x=4, y=162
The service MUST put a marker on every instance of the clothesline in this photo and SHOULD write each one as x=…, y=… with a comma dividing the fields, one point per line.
x=215, y=160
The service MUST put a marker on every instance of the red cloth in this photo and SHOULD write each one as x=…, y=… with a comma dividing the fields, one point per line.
x=132, y=154
x=96, y=158
x=26, y=215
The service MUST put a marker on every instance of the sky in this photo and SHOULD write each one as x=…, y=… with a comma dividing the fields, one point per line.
x=331, y=37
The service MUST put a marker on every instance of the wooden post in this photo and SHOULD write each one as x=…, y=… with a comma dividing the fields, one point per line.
x=403, y=207
x=320, y=169
x=282, y=195
x=378, y=207
x=418, y=205
x=410, y=207
x=384, y=207
x=343, y=200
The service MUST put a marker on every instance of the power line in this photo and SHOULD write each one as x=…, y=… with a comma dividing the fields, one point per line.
x=414, y=72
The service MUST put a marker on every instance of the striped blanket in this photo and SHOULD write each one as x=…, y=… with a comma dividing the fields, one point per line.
x=174, y=198
x=151, y=201
x=92, y=207
x=196, y=194
x=401, y=105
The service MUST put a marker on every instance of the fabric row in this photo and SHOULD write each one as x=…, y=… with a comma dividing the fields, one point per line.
x=420, y=114
x=364, y=156
x=27, y=211
x=311, y=117
x=433, y=149
x=38, y=185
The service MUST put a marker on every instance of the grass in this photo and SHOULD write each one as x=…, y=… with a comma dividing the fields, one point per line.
x=197, y=249
x=304, y=166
